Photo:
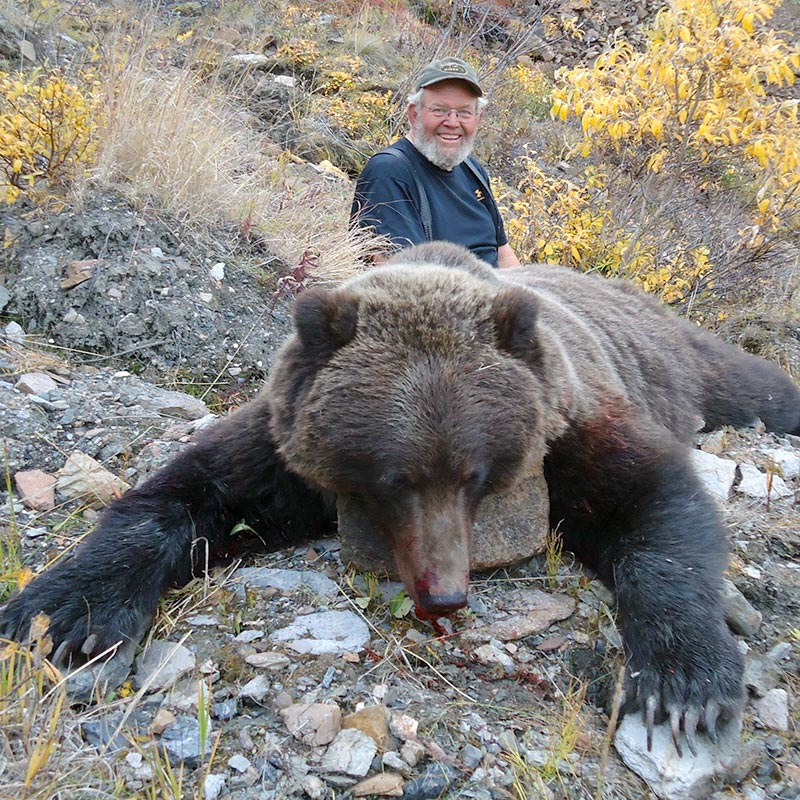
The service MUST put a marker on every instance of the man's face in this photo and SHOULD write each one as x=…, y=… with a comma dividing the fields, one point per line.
x=443, y=136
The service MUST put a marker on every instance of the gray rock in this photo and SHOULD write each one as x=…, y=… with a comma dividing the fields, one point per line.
x=161, y=664
x=325, y=632
x=5, y=296
x=14, y=332
x=350, y=753
x=213, y=785
x=37, y=383
x=758, y=485
x=471, y=756
x=509, y=528
x=670, y=776
x=773, y=709
x=85, y=478
x=761, y=674
x=271, y=660
x=787, y=460
x=246, y=637
x=313, y=724
x=433, y=783
x=392, y=760
x=287, y=580
x=105, y=733
x=542, y=611
x=490, y=655
x=255, y=690
x=250, y=60
x=182, y=742
x=89, y=682
x=203, y=620
x=164, y=402
x=239, y=763
x=225, y=710
x=741, y=616
x=715, y=473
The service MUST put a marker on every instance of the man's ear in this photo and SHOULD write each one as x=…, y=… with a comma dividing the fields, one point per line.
x=515, y=314
x=325, y=320
x=413, y=114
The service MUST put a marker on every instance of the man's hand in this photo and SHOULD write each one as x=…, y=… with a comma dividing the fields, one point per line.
x=506, y=257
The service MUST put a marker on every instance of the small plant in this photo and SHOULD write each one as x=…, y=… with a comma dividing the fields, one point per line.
x=365, y=115
x=46, y=129
x=166, y=783
x=203, y=717
x=32, y=696
x=298, y=54
x=364, y=586
x=531, y=780
x=401, y=605
x=553, y=558
x=11, y=569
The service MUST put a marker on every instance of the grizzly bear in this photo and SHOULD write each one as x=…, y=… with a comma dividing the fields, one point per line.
x=422, y=386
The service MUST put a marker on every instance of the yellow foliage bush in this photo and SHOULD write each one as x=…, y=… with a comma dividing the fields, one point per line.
x=703, y=89
x=561, y=221
x=366, y=115
x=298, y=53
x=521, y=96
x=46, y=129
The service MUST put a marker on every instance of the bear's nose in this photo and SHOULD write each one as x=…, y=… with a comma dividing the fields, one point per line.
x=441, y=605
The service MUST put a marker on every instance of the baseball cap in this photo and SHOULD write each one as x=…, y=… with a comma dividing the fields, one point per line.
x=446, y=69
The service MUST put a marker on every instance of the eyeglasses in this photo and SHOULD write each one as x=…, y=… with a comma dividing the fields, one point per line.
x=462, y=114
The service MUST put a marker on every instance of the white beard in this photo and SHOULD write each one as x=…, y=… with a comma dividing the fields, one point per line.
x=432, y=150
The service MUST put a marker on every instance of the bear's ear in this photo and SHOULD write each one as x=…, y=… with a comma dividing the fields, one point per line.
x=325, y=320
x=515, y=313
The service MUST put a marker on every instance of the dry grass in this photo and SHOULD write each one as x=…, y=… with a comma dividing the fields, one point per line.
x=179, y=147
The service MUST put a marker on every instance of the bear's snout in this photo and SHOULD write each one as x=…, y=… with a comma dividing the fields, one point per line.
x=439, y=605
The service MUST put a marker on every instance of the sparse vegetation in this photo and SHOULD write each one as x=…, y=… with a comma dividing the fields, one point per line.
x=11, y=568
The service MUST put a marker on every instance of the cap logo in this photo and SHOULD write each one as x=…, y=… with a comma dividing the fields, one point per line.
x=456, y=68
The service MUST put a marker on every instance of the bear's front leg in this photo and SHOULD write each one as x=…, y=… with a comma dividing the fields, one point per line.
x=158, y=535
x=632, y=508
x=106, y=593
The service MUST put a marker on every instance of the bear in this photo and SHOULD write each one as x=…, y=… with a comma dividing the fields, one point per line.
x=423, y=385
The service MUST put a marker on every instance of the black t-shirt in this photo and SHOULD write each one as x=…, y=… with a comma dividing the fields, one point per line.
x=387, y=200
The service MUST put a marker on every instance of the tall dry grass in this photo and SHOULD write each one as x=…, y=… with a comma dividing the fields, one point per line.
x=179, y=144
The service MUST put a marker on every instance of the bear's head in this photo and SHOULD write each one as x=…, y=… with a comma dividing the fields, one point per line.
x=413, y=387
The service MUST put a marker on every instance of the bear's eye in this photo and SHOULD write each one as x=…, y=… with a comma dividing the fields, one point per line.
x=477, y=476
x=395, y=480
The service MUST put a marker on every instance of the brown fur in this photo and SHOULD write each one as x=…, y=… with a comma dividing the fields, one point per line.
x=423, y=386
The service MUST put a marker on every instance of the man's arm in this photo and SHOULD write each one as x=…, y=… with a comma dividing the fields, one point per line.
x=506, y=257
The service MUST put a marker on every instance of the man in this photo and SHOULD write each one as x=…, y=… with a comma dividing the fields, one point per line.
x=426, y=186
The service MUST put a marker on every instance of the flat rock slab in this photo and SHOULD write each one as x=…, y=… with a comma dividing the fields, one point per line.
x=325, y=632
x=669, y=775
x=541, y=610
x=287, y=580
x=161, y=663
x=717, y=474
x=83, y=477
x=37, y=489
x=509, y=528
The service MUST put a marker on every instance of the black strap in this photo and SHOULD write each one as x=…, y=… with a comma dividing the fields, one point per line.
x=424, y=205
